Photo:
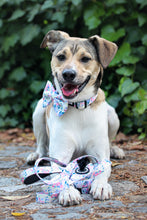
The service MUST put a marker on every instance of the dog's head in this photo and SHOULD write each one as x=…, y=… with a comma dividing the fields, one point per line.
x=77, y=63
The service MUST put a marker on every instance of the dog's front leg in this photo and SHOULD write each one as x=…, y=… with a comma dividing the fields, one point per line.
x=39, y=127
x=100, y=188
x=62, y=149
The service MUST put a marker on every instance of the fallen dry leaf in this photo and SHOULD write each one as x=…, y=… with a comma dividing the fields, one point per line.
x=14, y=197
x=137, y=147
x=28, y=136
x=13, y=131
x=114, y=164
x=18, y=213
x=136, y=143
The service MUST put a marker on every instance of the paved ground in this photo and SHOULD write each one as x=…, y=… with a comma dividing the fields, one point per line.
x=129, y=181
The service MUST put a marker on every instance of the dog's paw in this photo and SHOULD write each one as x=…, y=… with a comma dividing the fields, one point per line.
x=101, y=191
x=70, y=197
x=32, y=158
x=117, y=153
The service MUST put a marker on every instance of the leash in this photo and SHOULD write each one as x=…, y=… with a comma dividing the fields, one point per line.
x=79, y=173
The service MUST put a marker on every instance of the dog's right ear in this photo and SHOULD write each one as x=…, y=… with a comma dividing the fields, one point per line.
x=52, y=38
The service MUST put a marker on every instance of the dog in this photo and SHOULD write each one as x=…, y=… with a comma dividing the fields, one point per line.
x=89, y=123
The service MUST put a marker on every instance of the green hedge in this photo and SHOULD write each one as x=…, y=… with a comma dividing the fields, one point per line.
x=24, y=67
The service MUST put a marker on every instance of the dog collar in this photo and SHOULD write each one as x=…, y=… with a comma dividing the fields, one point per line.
x=50, y=95
x=83, y=104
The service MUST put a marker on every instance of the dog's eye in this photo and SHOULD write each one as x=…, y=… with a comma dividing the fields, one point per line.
x=85, y=59
x=61, y=57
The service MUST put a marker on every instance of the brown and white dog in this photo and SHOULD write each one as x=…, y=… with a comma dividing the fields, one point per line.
x=77, y=68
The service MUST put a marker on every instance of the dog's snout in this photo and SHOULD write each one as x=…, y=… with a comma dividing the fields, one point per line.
x=69, y=75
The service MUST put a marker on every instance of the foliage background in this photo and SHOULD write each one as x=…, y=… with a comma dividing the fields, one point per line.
x=24, y=67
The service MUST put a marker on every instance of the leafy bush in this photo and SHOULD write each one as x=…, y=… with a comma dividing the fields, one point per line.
x=25, y=67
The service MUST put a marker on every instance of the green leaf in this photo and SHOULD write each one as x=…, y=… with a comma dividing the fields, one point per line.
x=18, y=74
x=142, y=19
x=142, y=2
x=92, y=15
x=10, y=122
x=114, y=100
x=34, y=11
x=94, y=10
x=107, y=30
x=142, y=136
x=14, y=2
x=144, y=40
x=139, y=130
x=133, y=33
x=127, y=86
x=109, y=33
x=4, y=109
x=4, y=67
x=58, y=16
x=1, y=23
x=45, y=22
x=140, y=50
x=137, y=95
x=17, y=108
x=47, y=4
x=37, y=86
x=141, y=73
x=142, y=94
x=93, y=22
x=10, y=41
x=28, y=33
x=126, y=70
x=144, y=84
x=76, y=2
x=16, y=14
x=123, y=51
x=112, y=2
x=141, y=106
x=130, y=59
x=2, y=2
x=4, y=93
x=127, y=111
x=119, y=9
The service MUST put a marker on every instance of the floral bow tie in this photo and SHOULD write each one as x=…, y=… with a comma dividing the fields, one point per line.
x=50, y=95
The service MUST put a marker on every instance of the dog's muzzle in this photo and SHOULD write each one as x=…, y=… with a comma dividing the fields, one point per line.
x=69, y=88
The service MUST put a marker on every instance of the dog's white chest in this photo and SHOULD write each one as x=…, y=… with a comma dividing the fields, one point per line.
x=83, y=127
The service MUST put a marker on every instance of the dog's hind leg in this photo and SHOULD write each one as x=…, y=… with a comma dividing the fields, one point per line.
x=39, y=127
x=113, y=126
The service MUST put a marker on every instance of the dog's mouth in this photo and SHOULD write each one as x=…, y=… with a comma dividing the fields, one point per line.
x=70, y=90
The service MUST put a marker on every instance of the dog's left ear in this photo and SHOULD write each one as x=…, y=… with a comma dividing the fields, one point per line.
x=105, y=49
x=52, y=39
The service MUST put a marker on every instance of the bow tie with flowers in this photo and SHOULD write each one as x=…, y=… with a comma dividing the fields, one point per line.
x=60, y=105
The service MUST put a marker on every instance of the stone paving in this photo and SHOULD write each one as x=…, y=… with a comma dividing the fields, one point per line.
x=128, y=179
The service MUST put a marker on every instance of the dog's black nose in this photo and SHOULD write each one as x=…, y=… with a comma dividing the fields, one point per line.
x=69, y=75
